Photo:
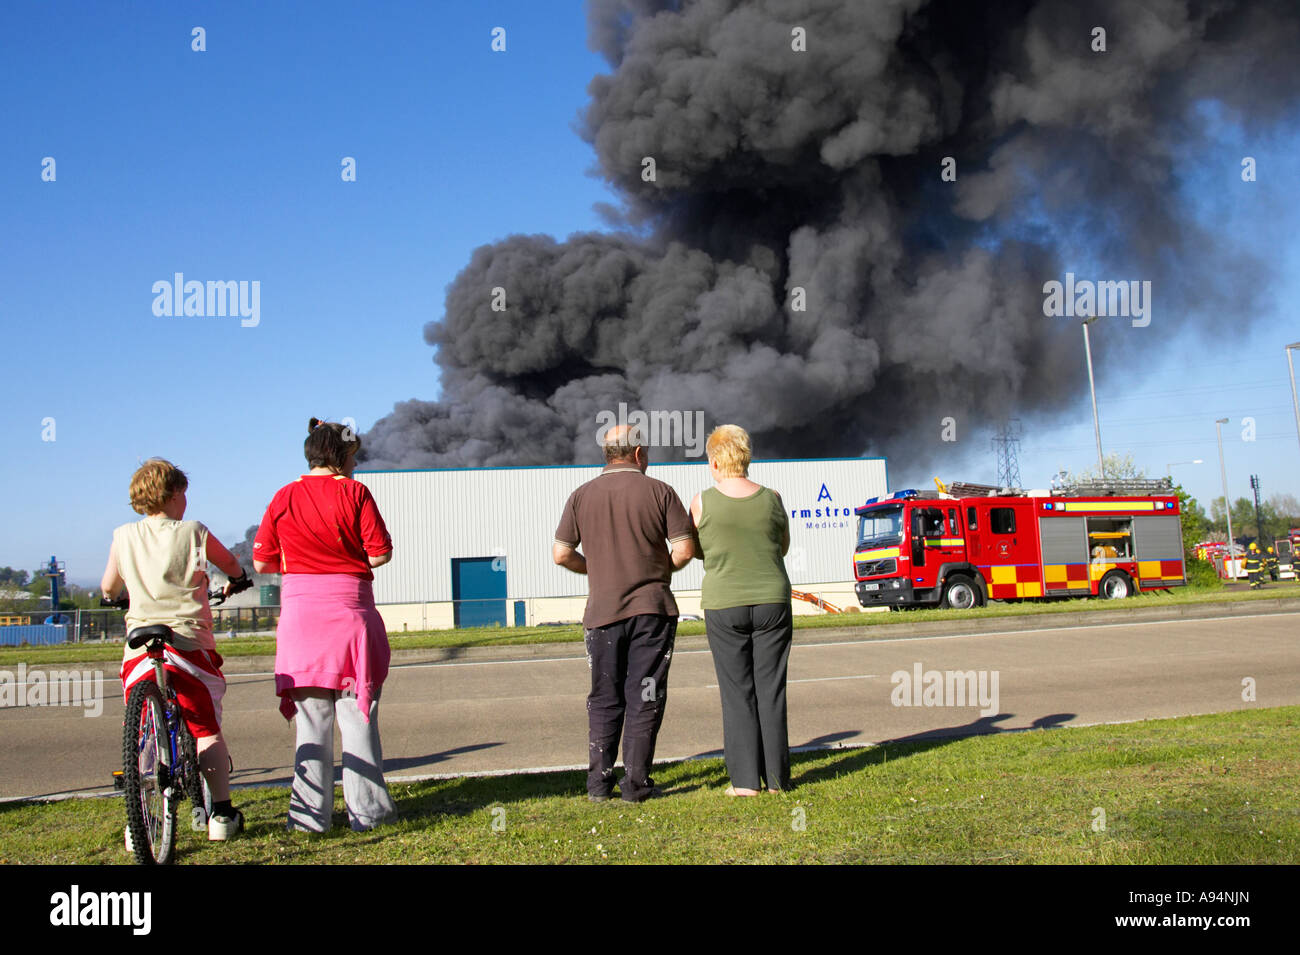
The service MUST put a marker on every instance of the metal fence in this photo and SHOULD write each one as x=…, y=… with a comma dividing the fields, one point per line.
x=105, y=626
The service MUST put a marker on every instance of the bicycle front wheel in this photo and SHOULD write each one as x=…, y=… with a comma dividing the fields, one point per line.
x=150, y=814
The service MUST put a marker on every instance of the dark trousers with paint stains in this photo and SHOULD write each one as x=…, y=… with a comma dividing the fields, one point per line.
x=751, y=648
x=629, y=689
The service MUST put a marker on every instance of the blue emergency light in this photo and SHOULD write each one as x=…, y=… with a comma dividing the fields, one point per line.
x=897, y=495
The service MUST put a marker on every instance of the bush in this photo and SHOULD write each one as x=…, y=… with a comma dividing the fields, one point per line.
x=1202, y=575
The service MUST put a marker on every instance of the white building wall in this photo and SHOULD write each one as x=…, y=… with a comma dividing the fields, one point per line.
x=437, y=515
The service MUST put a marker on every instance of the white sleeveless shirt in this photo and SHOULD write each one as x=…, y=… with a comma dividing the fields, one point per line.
x=164, y=563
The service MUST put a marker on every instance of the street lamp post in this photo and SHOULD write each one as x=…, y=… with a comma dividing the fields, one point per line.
x=1227, y=504
x=1295, y=401
x=1092, y=387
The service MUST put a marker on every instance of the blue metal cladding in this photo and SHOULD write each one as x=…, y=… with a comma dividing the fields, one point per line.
x=478, y=587
x=37, y=635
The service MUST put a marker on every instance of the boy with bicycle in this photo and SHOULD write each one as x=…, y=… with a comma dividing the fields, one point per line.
x=162, y=562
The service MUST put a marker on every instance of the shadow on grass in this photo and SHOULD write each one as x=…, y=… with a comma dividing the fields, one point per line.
x=704, y=770
x=466, y=795
x=904, y=746
x=241, y=776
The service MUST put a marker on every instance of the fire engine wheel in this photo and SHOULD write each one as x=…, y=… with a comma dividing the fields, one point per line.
x=960, y=593
x=1115, y=586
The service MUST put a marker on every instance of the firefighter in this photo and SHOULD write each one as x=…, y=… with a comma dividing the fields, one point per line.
x=1270, y=564
x=1254, y=567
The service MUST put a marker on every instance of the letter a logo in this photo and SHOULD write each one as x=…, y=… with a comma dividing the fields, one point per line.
x=824, y=495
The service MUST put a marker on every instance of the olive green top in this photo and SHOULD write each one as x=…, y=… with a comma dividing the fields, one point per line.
x=740, y=538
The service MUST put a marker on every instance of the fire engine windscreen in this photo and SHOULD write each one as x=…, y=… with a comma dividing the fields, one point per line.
x=882, y=527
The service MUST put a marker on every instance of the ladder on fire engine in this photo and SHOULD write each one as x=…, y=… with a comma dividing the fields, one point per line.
x=1115, y=487
x=967, y=489
x=1109, y=487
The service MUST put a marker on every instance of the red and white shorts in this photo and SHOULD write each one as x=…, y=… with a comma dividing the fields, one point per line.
x=195, y=676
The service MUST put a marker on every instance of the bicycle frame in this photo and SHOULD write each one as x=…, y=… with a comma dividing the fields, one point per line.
x=171, y=713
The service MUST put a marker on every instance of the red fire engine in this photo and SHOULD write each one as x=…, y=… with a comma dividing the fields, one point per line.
x=970, y=543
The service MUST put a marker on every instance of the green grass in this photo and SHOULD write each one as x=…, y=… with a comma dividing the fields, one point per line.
x=516, y=636
x=1210, y=789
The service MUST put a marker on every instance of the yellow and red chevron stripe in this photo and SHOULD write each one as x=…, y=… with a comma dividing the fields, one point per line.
x=1013, y=580
x=1066, y=576
x=1159, y=571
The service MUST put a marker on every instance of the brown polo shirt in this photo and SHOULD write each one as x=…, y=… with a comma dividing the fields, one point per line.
x=622, y=519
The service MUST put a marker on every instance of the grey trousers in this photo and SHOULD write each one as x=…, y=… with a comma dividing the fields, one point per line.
x=751, y=647
x=311, y=803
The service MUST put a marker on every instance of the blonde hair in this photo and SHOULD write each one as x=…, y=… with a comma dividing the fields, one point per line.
x=153, y=483
x=728, y=445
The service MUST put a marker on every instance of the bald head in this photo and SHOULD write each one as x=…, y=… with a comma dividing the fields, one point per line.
x=623, y=445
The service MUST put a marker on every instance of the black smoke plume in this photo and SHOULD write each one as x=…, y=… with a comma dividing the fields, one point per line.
x=820, y=169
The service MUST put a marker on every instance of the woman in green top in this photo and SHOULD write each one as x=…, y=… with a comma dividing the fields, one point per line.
x=743, y=534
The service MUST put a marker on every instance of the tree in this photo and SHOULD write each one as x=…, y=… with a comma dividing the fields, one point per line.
x=1244, y=525
x=1114, y=467
x=1285, y=513
x=13, y=578
x=1194, y=522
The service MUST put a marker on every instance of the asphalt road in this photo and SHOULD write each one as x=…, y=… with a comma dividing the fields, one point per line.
x=521, y=708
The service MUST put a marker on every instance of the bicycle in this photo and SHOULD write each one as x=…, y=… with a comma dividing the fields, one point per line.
x=160, y=759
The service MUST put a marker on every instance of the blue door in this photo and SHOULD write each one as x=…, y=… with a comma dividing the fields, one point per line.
x=478, y=587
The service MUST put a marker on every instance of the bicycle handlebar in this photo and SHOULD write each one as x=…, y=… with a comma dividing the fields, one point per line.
x=237, y=585
x=218, y=596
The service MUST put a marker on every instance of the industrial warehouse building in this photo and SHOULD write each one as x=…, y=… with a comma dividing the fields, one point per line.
x=472, y=547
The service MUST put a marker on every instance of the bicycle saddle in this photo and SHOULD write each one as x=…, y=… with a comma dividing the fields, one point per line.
x=142, y=635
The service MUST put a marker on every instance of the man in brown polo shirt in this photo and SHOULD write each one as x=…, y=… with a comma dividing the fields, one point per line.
x=622, y=519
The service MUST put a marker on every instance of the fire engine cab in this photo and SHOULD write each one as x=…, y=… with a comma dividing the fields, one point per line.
x=969, y=543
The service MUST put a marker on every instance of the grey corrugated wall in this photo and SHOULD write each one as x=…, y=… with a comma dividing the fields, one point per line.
x=437, y=515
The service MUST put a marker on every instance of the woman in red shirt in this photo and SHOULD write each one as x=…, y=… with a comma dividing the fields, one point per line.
x=324, y=533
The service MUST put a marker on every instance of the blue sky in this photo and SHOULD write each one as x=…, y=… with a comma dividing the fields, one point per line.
x=226, y=165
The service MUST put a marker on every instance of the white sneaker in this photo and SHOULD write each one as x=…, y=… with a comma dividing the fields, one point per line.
x=221, y=828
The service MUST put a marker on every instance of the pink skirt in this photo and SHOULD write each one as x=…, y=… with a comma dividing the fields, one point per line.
x=330, y=637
